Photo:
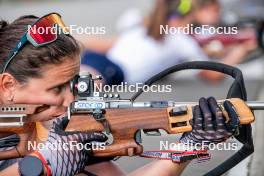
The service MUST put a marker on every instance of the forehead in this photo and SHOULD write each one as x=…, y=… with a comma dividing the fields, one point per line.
x=59, y=72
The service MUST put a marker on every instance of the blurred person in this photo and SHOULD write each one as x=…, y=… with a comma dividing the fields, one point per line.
x=144, y=50
x=207, y=12
x=217, y=45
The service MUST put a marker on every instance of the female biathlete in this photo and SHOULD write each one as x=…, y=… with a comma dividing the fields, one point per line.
x=36, y=68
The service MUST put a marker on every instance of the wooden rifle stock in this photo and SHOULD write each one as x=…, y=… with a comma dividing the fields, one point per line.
x=14, y=119
x=124, y=124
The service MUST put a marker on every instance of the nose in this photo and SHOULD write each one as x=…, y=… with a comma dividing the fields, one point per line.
x=68, y=97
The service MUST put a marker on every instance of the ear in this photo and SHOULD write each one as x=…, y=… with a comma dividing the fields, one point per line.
x=8, y=85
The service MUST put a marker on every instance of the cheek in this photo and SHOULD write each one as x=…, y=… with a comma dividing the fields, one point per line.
x=32, y=97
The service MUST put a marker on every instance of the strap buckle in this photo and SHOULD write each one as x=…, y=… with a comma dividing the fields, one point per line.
x=180, y=157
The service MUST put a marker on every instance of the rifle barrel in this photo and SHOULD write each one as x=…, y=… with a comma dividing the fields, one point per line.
x=256, y=105
x=253, y=105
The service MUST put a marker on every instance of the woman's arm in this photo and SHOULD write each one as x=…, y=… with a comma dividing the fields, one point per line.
x=100, y=168
x=11, y=170
x=14, y=169
x=160, y=167
x=155, y=168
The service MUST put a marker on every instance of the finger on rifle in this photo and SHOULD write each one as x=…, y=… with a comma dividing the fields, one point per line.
x=217, y=114
x=197, y=118
x=206, y=114
x=234, y=121
x=93, y=136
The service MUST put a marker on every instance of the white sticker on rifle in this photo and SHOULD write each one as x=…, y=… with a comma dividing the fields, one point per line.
x=89, y=105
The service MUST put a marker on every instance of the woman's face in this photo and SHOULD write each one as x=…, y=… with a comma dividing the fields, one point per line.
x=52, y=89
x=209, y=15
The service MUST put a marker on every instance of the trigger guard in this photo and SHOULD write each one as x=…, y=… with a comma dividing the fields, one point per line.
x=109, y=141
x=110, y=138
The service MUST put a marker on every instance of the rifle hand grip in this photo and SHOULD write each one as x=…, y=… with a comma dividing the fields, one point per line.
x=181, y=123
x=120, y=148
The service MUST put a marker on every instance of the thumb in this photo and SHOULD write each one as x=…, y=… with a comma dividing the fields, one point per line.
x=93, y=136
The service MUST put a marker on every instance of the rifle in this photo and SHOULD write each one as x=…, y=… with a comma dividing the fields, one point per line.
x=121, y=120
x=129, y=145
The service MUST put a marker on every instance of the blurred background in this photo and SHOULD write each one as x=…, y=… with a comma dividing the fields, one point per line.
x=123, y=37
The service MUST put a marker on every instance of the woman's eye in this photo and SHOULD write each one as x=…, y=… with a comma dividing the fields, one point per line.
x=59, y=89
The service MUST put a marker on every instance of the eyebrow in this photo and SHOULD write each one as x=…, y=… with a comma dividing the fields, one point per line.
x=61, y=84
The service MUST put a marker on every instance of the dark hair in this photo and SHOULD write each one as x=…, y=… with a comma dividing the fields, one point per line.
x=198, y=4
x=29, y=60
x=160, y=15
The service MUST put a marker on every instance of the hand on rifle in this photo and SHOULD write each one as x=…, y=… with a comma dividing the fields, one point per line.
x=210, y=123
x=62, y=156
